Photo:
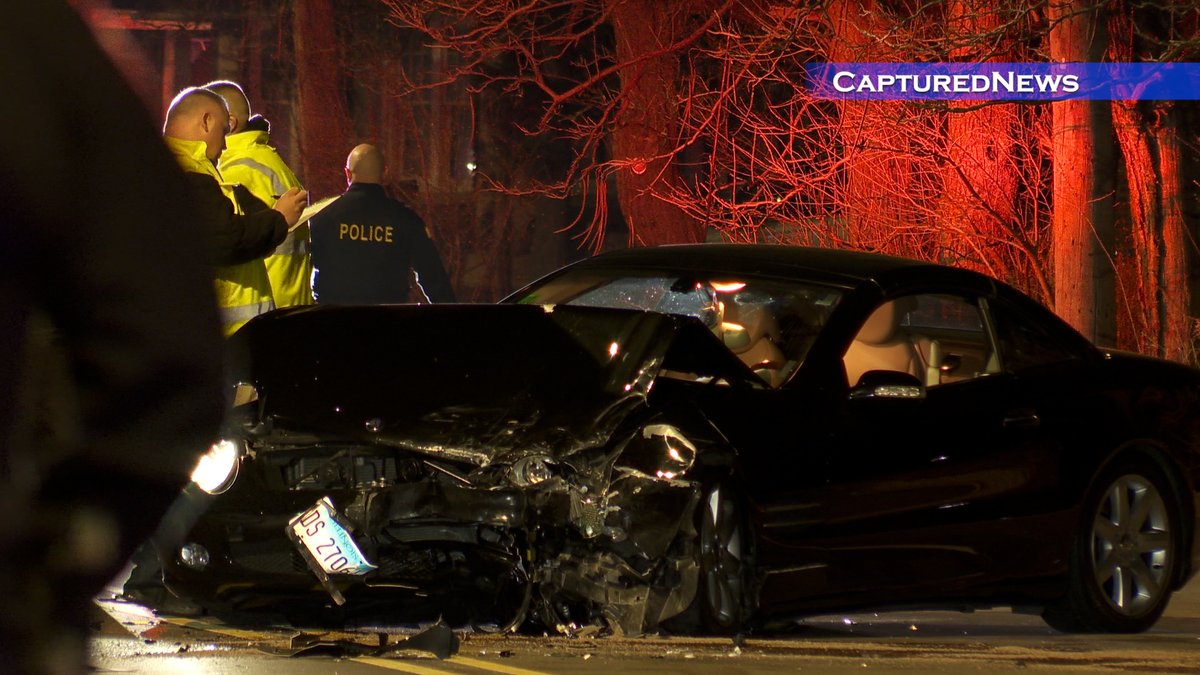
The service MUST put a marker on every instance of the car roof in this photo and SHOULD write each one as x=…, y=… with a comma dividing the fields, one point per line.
x=842, y=267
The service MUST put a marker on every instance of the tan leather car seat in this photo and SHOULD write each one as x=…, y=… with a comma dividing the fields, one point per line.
x=751, y=332
x=881, y=345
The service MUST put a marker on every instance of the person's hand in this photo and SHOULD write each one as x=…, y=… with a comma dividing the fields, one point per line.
x=291, y=204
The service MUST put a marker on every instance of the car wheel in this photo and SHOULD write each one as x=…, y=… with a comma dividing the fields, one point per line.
x=1124, y=556
x=723, y=603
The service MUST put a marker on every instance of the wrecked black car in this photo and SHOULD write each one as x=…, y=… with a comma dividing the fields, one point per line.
x=475, y=461
x=695, y=438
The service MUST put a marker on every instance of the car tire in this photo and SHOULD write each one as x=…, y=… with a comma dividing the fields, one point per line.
x=723, y=604
x=1125, y=554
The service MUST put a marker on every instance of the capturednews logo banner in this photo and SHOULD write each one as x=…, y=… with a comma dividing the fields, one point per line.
x=1004, y=81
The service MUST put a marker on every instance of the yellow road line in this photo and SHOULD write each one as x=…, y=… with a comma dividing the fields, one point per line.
x=494, y=667
x=410, y=667
x=217, y=628
x=406, y=666
x=400, y=665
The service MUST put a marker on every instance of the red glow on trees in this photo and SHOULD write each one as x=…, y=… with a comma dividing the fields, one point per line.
x=325, y=129
x=690, y=120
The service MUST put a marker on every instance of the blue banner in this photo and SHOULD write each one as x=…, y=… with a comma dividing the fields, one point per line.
x=1171, y=81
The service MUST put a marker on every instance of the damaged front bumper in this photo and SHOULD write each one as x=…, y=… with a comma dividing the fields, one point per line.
x=617, y=555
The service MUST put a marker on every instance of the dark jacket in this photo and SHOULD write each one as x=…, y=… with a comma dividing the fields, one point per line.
x=95, y=222
x=233, y=238
x=236, y=238
x=364, y=245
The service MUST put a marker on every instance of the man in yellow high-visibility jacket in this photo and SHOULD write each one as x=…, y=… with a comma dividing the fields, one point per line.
x=195, y=128
x=249, y=159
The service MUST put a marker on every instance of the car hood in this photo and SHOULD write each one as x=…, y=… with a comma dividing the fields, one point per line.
x=463, y=382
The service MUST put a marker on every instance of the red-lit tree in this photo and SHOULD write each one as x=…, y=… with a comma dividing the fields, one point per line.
x=1082, y=221
x=698, y=116
x=324, y=124
x=1155, y=308
x=726, y=135
x=963, y=183
x=606, y=75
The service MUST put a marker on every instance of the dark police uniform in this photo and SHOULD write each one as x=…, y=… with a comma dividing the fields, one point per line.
x=363, y=245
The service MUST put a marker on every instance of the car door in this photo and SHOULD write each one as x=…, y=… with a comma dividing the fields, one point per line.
x=1061, y=377
x=919, y=492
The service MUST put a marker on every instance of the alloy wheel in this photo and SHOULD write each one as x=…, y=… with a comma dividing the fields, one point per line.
x=722, y=550
x=1132, y=546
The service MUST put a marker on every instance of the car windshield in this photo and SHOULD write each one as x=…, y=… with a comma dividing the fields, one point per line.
x=770, y=324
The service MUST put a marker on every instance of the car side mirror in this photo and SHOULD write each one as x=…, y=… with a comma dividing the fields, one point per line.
x=889, y=384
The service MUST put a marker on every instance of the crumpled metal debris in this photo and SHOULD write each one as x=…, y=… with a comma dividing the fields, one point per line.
x=437, y=640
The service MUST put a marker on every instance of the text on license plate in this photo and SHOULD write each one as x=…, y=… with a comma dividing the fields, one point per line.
x=328, y=541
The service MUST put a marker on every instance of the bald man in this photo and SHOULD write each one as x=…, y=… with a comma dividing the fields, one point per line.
x=365, y=245
x=194, y=131
x=250, y=160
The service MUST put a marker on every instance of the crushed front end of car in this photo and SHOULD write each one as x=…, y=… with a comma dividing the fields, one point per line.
x=486, y=465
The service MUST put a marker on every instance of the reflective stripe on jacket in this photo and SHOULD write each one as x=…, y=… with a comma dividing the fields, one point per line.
x=250, y=160
x=243, y=291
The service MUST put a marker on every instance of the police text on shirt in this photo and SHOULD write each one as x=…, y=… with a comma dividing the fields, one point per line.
x=368, y=233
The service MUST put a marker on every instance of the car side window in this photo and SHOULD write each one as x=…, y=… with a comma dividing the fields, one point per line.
x=1024, y=343
x=951, y=340
x=936, y=338
x=769, y=324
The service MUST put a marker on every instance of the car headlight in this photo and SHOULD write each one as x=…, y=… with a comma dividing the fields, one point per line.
x=217, y=468
x=530, y=470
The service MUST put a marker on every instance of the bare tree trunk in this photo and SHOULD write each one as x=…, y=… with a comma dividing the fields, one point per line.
x=1158, y=231
x=1154, y=171
x=1140, y=302
x=1148, y=135
x=326, y=134
x=646, y=130
x=1079, y=214
x=1176, y=328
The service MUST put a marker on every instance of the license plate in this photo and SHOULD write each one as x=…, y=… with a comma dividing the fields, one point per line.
x=327, y=541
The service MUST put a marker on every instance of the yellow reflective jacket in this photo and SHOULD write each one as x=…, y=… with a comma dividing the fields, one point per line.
x=249, y=160
x=243, y=291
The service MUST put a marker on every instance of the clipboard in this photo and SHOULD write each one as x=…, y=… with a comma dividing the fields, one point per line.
x=312, y=210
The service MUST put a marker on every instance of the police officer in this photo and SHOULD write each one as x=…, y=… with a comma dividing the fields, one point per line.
x=250, y=160
x=194, y=132
x=364, y=244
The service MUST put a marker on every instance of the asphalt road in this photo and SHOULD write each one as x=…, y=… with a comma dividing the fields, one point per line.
x=130, y=639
